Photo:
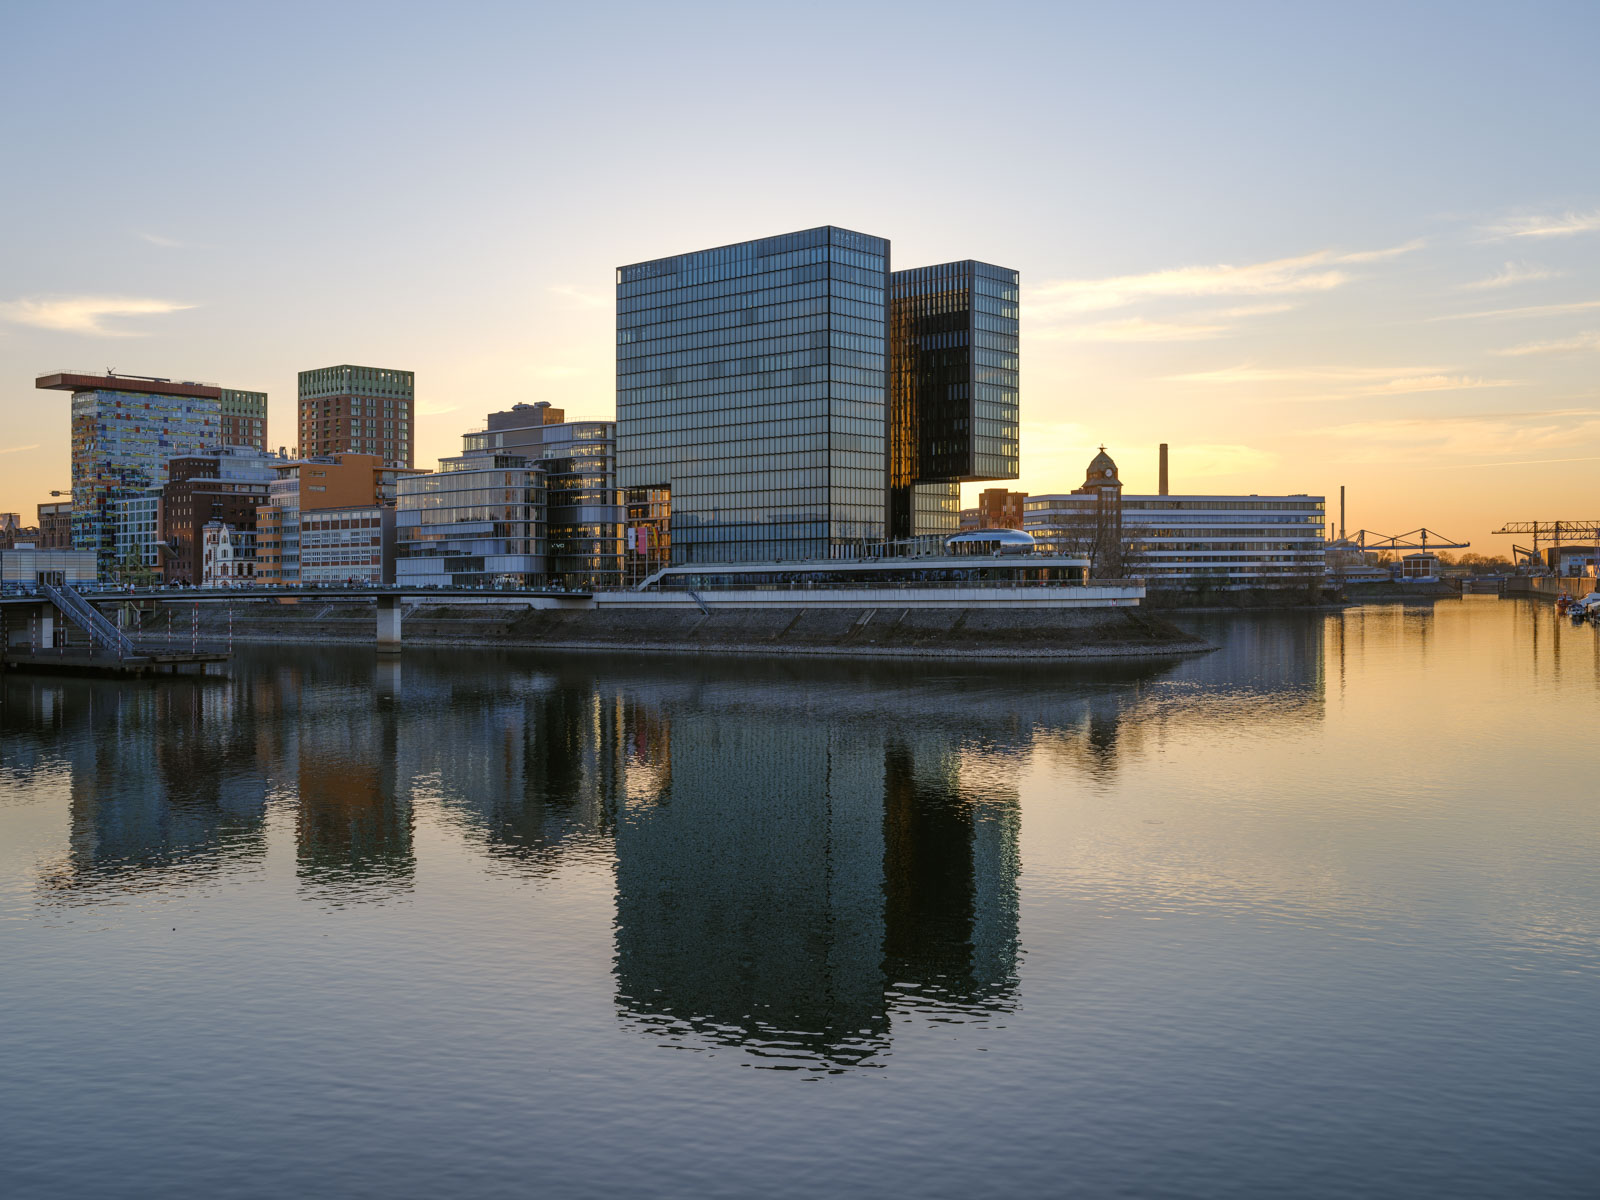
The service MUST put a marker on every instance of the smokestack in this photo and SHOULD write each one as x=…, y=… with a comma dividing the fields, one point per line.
x=1341, y=512
x=1161, y=489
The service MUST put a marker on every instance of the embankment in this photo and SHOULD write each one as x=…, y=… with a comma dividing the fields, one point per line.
x=866, y=632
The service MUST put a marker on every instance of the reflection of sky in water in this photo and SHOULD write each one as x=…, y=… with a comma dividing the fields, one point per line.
x=1329, y=886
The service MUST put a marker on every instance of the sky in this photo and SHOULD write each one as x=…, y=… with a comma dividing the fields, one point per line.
x=1307, y=245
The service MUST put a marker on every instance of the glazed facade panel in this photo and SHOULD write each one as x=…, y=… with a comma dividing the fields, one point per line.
x=953, y=404
x=752, y=382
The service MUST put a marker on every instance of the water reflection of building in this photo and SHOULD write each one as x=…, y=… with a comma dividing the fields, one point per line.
x=1268, y=674
x=353, y=826
x=163, y=785
x=790, y=879
x=803, y=851
x=749, y=906
x=949, y=886
x=526, y=766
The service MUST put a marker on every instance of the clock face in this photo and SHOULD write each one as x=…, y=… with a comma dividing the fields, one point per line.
x=1108, y=472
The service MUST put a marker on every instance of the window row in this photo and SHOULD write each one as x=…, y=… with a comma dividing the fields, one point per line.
x=748, y=286
x=650, y=356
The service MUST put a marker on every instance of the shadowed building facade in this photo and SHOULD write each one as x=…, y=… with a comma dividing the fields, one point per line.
x=953, y=406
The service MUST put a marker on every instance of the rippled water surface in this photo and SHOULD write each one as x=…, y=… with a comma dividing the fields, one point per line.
x=1316, y=914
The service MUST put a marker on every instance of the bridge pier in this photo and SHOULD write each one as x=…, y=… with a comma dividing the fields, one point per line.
x=389, y=621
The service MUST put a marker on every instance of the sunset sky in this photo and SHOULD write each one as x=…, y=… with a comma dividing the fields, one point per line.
x=1307, y=245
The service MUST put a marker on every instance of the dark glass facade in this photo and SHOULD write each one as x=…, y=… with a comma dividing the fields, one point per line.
x=752, y=382
x=953, y=407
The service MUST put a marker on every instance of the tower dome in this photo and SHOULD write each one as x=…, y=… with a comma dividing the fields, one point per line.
x=1102, y=470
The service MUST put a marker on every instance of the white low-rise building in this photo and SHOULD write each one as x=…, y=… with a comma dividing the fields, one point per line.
x=1194, y=541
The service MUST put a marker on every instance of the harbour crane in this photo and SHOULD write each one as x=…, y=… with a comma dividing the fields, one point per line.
x=1415, y=539
x=1554, y=533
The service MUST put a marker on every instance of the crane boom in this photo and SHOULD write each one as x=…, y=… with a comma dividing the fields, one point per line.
x=1553, y=533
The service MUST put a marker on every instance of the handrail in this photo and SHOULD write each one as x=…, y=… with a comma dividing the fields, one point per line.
x=83, y=615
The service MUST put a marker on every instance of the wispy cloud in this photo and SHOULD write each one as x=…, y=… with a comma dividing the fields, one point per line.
x=1137, y=329
x=434, y=410
x=19, y=449
x=1497, y=438
x=1513, y=273
x=1432, y=383
x=1254, y=310
x=1512, y=462
x=1530, y=310
x=166, y=243
x=84, y=314
x=580, y=297
x=1564, y=225
x=1316, y=272
x=1582, y=342
x=1358, y=381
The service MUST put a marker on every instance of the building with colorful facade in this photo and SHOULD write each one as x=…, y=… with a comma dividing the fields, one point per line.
x=125, y=429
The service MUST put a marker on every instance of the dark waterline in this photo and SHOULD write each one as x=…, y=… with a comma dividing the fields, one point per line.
x=1316, y=914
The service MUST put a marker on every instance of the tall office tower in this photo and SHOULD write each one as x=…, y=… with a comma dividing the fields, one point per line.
x=357, y=410
x=952, y=389
x=125, y=428
x=244, y=418
x=751, y=383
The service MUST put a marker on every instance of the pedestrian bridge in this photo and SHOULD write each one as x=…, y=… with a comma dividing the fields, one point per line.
x=28, y=614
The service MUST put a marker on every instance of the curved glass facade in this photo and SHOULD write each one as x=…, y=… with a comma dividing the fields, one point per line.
x=477, y=521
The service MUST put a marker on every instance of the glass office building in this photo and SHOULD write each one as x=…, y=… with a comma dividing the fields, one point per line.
x=585, y=518
x=752, y=385
x=953, y=389
x=476, y=522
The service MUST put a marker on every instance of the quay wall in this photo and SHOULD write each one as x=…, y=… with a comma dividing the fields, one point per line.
x=881, y=631
x=1549, y=587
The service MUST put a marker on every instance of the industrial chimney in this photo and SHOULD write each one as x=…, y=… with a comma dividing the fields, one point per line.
x=1161, y=489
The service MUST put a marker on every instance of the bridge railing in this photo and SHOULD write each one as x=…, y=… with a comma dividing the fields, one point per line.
x=101, y=631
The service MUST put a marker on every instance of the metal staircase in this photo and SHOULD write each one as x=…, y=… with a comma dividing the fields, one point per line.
x=84, y=615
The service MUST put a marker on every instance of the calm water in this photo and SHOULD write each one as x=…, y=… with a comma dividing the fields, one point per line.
x=1317, y=914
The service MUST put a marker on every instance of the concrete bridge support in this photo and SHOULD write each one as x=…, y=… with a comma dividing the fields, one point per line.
x=33, y=627
x=389, y=621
